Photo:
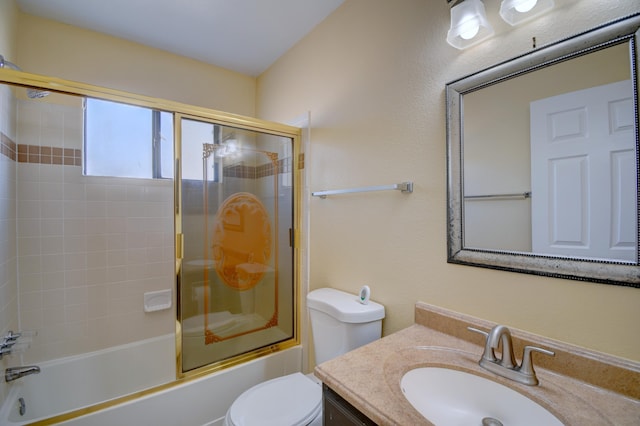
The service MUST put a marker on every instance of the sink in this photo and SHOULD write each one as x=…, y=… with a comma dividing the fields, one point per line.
x=448, y=397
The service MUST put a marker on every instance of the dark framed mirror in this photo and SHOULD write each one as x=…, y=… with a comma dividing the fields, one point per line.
x=543, y=160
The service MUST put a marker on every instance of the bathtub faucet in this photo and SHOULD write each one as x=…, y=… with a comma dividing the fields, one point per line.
x=14, y=373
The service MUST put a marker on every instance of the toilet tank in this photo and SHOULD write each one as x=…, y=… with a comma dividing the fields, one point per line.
x=340, y=323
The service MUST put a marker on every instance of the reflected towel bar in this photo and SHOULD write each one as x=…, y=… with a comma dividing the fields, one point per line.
x=522, y=195
x=404, y=187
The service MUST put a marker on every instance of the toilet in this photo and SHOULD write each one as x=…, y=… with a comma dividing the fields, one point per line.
x=339, y=323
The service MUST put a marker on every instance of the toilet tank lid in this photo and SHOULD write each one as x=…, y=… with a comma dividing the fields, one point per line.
x=343, y=306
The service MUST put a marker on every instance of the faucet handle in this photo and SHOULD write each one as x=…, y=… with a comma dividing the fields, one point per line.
x=526, y=367
x=14, y=349
x=477, y=330
x=488, y=353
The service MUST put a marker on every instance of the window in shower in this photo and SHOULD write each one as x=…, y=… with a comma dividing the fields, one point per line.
x=127, y=140
x=236, y=275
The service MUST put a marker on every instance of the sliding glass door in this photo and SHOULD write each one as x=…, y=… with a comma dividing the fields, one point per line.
x=236, y=257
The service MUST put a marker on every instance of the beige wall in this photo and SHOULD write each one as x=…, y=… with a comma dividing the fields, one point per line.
x=8, y=29
x=373, y=76
x=59, y=50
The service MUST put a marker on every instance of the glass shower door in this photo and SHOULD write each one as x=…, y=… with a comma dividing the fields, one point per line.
x=236, y=272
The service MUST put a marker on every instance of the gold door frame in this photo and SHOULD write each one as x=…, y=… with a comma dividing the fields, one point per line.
x=297, y=165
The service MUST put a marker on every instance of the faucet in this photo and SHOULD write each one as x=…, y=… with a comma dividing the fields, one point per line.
x=506, y=365
x=14, y=373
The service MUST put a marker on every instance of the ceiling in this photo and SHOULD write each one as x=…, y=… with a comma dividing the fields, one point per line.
x=246, y=36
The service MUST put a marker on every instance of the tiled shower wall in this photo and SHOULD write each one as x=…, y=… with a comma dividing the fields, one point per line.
x=8, y=253
x=88, y=247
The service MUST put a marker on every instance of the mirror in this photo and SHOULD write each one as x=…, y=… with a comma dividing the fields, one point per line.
x=543, y=160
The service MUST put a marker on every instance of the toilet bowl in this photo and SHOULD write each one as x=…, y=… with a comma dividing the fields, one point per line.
x=339, y=323
x=294, y=400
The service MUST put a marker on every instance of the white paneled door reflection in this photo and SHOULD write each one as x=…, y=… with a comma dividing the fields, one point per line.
x=583, y=166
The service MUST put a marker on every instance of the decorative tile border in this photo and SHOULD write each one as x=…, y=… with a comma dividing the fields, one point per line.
x=49, y=155
x=256, y=172
x=73, y=157
x=7, y=147
x=39, y=154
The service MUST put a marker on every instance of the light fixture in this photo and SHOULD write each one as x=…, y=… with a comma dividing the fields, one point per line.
x=228, y=148
x=469, y=24
x=515, y=12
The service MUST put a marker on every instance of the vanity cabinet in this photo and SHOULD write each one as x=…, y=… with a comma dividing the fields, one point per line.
x=338, y=412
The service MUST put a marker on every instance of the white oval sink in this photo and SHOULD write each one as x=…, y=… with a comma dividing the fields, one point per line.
x=449, y=397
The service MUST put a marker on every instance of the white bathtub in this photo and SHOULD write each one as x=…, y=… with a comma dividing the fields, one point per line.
x=70, y=383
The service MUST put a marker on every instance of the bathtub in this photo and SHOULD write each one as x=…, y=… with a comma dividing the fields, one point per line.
x=71, y=383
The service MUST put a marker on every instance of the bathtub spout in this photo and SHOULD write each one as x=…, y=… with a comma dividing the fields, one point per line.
x=14, y=373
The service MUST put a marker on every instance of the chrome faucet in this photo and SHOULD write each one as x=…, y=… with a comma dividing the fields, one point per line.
x=14, y=373
x=506, y=365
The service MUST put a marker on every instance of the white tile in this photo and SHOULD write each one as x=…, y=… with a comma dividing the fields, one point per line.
x=54, y=316
x=53, y=298
x=96, y=259
x=29, y=227
x=29, y=190
x=53, y=280
x=75, y=278
x=30, y=265
x=116, y=258
x=30, y=282
x=75, y=244
x=74, y=261
x=76, y=296
x=52, y=245
x=96, y=242
x=52, y=263
x=28, y=172
x=96, y=192
x=31, y=301
x=117, y=241
x=52, y=209
x=51, y=190
x=116, y=193
x=29, y=246
x=117, y=209
x=76, y=209
x=97, y=209
x=116, y=225
x=135, y=193
x=97, y=276
x=74, y=226
x=51, y=227
x=74, y=191
x=117, y=273
x=29, y=209
x=72, y=174
x=51, y=173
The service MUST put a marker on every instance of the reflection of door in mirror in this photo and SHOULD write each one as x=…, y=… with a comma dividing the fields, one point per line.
x=583, y=173
x=497, y=154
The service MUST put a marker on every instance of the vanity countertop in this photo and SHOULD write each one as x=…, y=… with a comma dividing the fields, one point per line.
x=578, y=386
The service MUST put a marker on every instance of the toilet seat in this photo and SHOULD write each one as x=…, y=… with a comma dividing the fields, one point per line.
x=292, y=400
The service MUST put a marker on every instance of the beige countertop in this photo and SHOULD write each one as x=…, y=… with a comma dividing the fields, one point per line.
x=578, y=386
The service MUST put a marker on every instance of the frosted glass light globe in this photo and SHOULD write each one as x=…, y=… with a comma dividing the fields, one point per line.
x=525, y=6
x=469, y=29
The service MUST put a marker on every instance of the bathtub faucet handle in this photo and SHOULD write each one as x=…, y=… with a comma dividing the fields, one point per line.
x=12, y=343
x=14, y=373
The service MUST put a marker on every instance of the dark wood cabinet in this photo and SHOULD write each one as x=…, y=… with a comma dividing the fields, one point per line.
x=338, y=412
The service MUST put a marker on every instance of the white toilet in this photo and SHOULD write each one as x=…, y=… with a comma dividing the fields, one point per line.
x=339, y=323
